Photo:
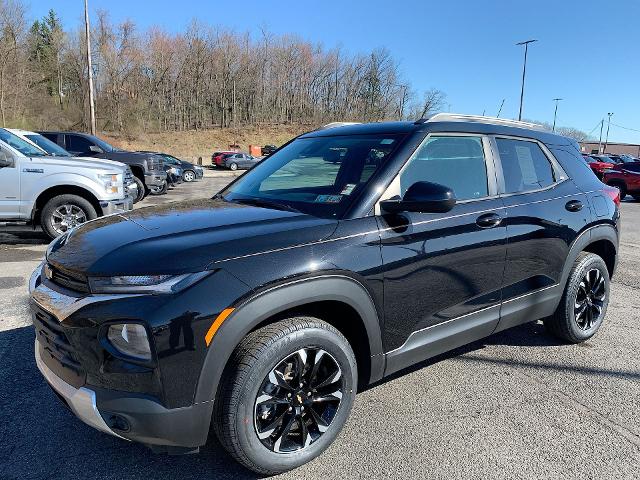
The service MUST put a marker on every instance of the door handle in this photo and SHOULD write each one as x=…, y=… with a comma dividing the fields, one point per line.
x=574, y=205
x=488, y=220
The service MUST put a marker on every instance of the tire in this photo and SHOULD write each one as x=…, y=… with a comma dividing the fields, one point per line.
x=636, y=197
x=141, y=189
x=247, y=379
x=623, y=189
x=565, y=323
x=159, y=190
x=233, y=166
x=64, y=212
x=189, y=176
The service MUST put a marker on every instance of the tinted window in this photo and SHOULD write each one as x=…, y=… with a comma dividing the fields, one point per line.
x=524, y=165
x=47, y=145
x=456, y=162
x=632, y=167
x=79, y=144
x=19, y=144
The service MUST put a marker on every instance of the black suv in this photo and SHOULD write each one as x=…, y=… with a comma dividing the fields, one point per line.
x=147, y=168
x=307, y=279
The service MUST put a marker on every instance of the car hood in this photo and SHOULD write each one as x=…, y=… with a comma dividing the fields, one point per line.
x=182, y=237
x=83, y=162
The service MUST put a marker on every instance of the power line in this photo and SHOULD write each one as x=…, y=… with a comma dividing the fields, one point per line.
x=626, y=128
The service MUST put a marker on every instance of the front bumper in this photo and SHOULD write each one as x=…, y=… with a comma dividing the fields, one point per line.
x=81, y=401
x=116, y=206
x=155, y=179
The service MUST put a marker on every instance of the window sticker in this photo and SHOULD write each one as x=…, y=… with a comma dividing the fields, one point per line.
x=529, y=176
x=387, y=141
x=328, y=198
x=348, y=188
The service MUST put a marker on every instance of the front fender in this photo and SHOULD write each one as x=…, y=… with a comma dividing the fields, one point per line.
x=265, y=304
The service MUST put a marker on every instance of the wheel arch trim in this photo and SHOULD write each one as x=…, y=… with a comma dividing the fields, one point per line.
x=266, y=304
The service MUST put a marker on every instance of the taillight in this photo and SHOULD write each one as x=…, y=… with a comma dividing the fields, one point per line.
x=613, y=193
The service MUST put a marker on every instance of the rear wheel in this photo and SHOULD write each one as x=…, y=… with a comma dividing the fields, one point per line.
x=584, y=302
x=233, y=166
x=189, y=176
x=65, y=212
x=636, y=197
x=286, y=393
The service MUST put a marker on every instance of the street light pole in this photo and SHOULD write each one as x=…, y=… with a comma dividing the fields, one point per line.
x=524, y=72
x=607, y=137
x=600, y=141
x=555, y=113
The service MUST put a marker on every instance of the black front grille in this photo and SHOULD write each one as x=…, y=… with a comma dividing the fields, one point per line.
x=57, y=351
x=65, y=278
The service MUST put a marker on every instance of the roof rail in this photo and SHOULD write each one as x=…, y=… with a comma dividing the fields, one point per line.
x=337, y=124
x=457, y=117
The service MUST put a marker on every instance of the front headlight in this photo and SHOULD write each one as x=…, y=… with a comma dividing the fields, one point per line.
x=111, y=182
x=130, y=339
x=153, y=284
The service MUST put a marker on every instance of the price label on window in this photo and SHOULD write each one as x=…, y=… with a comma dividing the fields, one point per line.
x=529, y=176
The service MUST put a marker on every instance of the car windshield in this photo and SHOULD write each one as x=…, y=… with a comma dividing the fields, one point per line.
x=21, y=145
x=47, y=145
x=317, y=175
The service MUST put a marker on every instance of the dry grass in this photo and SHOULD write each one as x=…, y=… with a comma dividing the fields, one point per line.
x=192, y=144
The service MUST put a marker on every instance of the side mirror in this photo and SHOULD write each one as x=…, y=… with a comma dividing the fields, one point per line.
x=5, y=160
x=95, y=149
x=424, y=197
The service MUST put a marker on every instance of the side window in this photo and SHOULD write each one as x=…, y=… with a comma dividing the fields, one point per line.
x=524, y=165
x=456, y=162
x=76, y=143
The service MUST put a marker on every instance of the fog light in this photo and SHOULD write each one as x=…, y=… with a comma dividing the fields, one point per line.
x=130, y=339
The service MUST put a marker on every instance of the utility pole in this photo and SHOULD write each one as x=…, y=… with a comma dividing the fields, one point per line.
x=555, y=113
x=524, y=72
x=600, y=141
x=607, y=138
x=92, y=105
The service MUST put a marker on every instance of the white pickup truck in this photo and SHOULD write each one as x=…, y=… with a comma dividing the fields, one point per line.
x=58, y=193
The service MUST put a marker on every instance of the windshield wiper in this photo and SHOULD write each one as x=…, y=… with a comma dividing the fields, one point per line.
x=262, y=202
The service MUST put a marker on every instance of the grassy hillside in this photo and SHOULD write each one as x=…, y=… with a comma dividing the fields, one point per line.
x=192, y=144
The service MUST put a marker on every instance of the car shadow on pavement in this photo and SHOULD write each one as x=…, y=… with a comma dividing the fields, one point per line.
x=39, y=438
x=22, y=235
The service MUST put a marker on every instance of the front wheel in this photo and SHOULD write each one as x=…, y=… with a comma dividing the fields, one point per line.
x=287, y=391
x=141, y=190
x=64, y=212
x=584, y=301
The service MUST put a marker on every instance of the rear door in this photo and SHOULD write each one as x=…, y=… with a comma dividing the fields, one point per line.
x=545, y=213
x=443, y=271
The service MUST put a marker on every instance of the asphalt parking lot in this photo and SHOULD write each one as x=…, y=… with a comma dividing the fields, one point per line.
x=517, y=405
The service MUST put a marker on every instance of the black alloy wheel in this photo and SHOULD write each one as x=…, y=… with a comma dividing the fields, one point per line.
x=298, y=400
x=590, y=299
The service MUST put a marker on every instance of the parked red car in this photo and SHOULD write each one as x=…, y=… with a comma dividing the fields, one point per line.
x=625, y=177
x=216, y=157
x=599, y=163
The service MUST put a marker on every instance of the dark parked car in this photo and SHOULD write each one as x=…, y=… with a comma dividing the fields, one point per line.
x=268, y=150
x=306, y=280
x=190, y=171
x=235, y=161
x=625, y=177
x=148, y=169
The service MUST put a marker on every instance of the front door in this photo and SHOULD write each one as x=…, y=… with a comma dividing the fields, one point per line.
x=443, y=271
x=9, y=186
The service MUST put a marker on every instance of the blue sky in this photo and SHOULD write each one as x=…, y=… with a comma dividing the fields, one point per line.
x=588, y=51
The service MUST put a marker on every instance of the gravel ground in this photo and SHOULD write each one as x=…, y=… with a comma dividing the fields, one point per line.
x=517, y=405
